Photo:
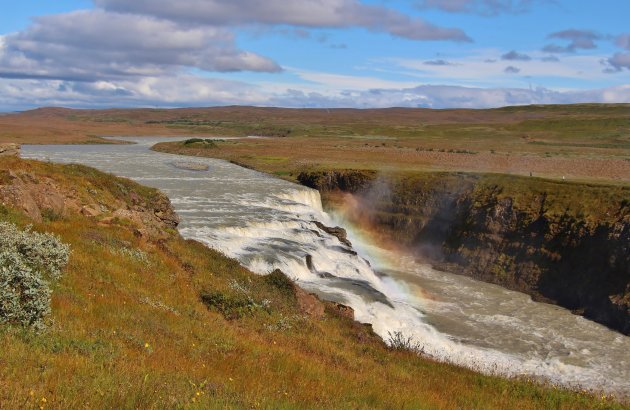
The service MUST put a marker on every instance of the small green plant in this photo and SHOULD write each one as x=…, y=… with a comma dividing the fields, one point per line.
x=230, y=306
x=279, y=280
x=235, y=303
x=134, y=254
x=398, y=341
x=50, y=215
x=29, y=261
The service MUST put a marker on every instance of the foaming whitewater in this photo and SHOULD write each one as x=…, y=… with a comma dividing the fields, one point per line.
x=270, y=224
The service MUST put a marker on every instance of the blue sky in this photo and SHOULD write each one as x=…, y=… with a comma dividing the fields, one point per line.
x=313, y=53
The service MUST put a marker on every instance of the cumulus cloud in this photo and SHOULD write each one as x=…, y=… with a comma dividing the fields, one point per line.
x=515, y=56
x=578, y=39
x=512, y=70
x=304, y=13
x=485, y=7
x=178, y=90
x=442, y=96
x=95, y=45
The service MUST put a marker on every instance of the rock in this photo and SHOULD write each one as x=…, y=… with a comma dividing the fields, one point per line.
x=90, y=212
x=337, y=231
x=344, y=311
x=163, y=210
x=42, y=197
x=345, y=180
x=20, y=198
x=309, y=304
x=9, y=150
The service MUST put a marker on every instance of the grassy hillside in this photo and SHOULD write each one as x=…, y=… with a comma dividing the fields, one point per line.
x=146, y=319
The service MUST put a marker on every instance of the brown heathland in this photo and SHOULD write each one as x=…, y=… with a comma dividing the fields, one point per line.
x=580, y=142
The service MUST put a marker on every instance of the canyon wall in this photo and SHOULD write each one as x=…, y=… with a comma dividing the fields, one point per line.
x=561, y=242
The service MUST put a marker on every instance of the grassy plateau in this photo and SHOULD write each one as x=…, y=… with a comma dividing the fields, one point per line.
x=581, y=142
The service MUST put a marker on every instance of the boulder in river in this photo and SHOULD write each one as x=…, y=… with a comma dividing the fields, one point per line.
x=336, y=231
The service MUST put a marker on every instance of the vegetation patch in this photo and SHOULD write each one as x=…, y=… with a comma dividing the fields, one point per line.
x=29, y=261
x=200, y=143
x=236, y=302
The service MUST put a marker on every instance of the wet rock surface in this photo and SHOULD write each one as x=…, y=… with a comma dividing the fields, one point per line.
x=336, y=231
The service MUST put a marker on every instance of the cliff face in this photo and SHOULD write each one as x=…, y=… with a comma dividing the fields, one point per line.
x=563, y=243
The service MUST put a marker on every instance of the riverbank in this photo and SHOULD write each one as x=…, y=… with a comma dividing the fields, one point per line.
x=144, y=318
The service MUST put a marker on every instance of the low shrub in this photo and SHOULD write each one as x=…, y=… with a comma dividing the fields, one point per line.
x=236, y=302
x=198, y=142
x=398, y=341
x=24, y=295
x=193, y=141
x=279, y=280
x=29, y=261
x=230, y=306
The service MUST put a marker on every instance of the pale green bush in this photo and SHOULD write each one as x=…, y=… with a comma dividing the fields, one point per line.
x=29, y=261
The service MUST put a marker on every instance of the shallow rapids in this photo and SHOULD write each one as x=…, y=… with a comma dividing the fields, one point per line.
x=267, y=223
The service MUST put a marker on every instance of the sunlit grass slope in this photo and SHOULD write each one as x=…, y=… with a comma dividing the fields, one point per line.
x=130, y=329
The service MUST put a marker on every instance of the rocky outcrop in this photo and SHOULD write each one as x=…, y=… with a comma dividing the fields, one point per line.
x=106, y=199
x=336, y=231
x=9, y=150
x=308, y=303
x=562, y=243
x=344, y=180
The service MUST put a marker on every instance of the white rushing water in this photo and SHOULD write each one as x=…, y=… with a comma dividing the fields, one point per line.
x=268, y=224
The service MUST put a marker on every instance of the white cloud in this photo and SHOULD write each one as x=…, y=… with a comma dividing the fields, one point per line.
x=94, y=45
x=485, y=68
x=303, y=13
x=349, y=82
x=187, y=90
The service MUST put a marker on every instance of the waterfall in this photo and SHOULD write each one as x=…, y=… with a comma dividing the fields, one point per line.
x=267, y=223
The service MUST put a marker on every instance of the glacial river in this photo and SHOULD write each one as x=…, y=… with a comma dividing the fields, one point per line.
x=267, y=223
